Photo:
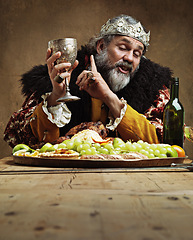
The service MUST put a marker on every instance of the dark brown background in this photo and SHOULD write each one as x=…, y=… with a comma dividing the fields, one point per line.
x=26, y=27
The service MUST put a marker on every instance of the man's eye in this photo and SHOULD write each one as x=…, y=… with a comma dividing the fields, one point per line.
x=122, y=47
x=137, y=54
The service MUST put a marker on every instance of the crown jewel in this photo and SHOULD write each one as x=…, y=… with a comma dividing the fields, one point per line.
x=122, y=27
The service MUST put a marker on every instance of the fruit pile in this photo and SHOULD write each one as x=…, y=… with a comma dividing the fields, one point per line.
x=117, y=146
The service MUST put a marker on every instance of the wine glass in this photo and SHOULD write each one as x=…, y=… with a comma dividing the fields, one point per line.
x=188, y=132
x=68, y=49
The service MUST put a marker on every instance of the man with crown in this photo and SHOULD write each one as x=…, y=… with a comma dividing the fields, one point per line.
x=116, y=83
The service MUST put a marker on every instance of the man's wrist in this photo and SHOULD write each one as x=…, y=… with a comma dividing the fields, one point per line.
x=52, y=100
x=114, y=104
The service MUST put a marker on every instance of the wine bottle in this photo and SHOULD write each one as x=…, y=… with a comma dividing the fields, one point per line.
x=173, y=117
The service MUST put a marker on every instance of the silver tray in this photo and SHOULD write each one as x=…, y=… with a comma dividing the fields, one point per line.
x=93, y=163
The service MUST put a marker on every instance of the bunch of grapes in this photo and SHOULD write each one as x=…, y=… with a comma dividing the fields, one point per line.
x=118, y=146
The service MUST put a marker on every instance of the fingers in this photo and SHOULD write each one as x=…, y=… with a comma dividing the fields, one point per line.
x=85, y=80
x=82, y=78
x=48, y=54
x=59, y=69
x=74, y=66
x=93, y=65
x=51, y=59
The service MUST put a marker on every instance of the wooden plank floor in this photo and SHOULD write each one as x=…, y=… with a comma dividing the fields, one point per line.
x=47, y=203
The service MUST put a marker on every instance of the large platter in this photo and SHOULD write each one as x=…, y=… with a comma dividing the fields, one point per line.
x=79, y=163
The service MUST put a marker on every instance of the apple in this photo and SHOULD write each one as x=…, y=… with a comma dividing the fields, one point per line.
x=21, y=147
x=171, y=152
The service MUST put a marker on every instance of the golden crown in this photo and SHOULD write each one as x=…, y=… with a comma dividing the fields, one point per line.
x=122, y=27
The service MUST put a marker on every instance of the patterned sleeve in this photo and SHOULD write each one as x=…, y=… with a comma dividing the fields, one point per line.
x=155, y=113
x=18, y=129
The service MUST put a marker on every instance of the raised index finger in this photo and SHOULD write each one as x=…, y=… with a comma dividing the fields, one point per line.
x=93, y=65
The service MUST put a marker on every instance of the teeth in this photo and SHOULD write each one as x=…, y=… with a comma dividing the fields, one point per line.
x=124, y=68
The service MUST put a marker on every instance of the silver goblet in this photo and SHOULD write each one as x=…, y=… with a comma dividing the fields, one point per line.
x=68, y=49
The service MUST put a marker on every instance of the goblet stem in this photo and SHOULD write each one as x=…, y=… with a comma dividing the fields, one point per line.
x=67, y=85
x=68, y=97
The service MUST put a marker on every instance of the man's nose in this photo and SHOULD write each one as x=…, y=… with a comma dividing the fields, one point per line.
x=128, y=56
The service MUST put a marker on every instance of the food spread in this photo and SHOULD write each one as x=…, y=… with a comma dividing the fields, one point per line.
x=88, y=144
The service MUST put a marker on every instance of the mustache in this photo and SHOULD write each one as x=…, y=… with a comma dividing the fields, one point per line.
x=128, y=66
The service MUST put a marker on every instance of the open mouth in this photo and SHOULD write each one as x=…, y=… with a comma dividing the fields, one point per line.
x=124, y=67
x=124, y=70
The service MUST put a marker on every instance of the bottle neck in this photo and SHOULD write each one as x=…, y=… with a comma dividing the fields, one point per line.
x=174, y=89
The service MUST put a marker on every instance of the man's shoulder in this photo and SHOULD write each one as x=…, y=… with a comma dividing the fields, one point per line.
x=151, y=66
x=36, y=80
x=154, y=72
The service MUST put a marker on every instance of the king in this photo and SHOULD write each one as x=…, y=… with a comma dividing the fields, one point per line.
x=122, y=92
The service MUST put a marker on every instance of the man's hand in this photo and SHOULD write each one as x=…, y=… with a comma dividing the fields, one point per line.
x=98, y=88
x=59, y=89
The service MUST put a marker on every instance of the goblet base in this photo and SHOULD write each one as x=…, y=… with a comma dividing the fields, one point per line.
x=68, y=98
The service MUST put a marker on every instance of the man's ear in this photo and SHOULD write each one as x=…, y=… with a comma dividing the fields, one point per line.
x=100, y=45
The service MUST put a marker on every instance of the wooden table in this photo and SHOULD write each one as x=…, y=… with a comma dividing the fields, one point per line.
x=59, y=203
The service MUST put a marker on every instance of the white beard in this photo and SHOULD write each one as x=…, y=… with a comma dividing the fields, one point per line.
x=115, y=79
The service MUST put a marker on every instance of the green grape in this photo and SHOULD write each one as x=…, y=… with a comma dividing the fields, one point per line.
x=145, y=144
x=157, y=153
x=88, y=151
x=96, y=145
x=153, y=146
x=123, y=147
x=117, y=142
x=151, y=151
x=151, y=155
x=89, y=142
x=144, y=152
x=52, y=148
x=132, y=148
x=66, y=141
x=86, y=146
x=79, y=148
x=163, y=150
x=138, y=146
x=103, y=150
x=78, y=140
x=108, y=146
x=117, y=150
x=128, y=145
x=141, y=142
x=76, y=144
x=112, y=152
x=83, y=152
x=93, y=150
x=146, y=147
x=70, y=145
x=62, y=145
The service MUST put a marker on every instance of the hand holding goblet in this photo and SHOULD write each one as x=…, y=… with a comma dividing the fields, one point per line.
x=68, y=49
